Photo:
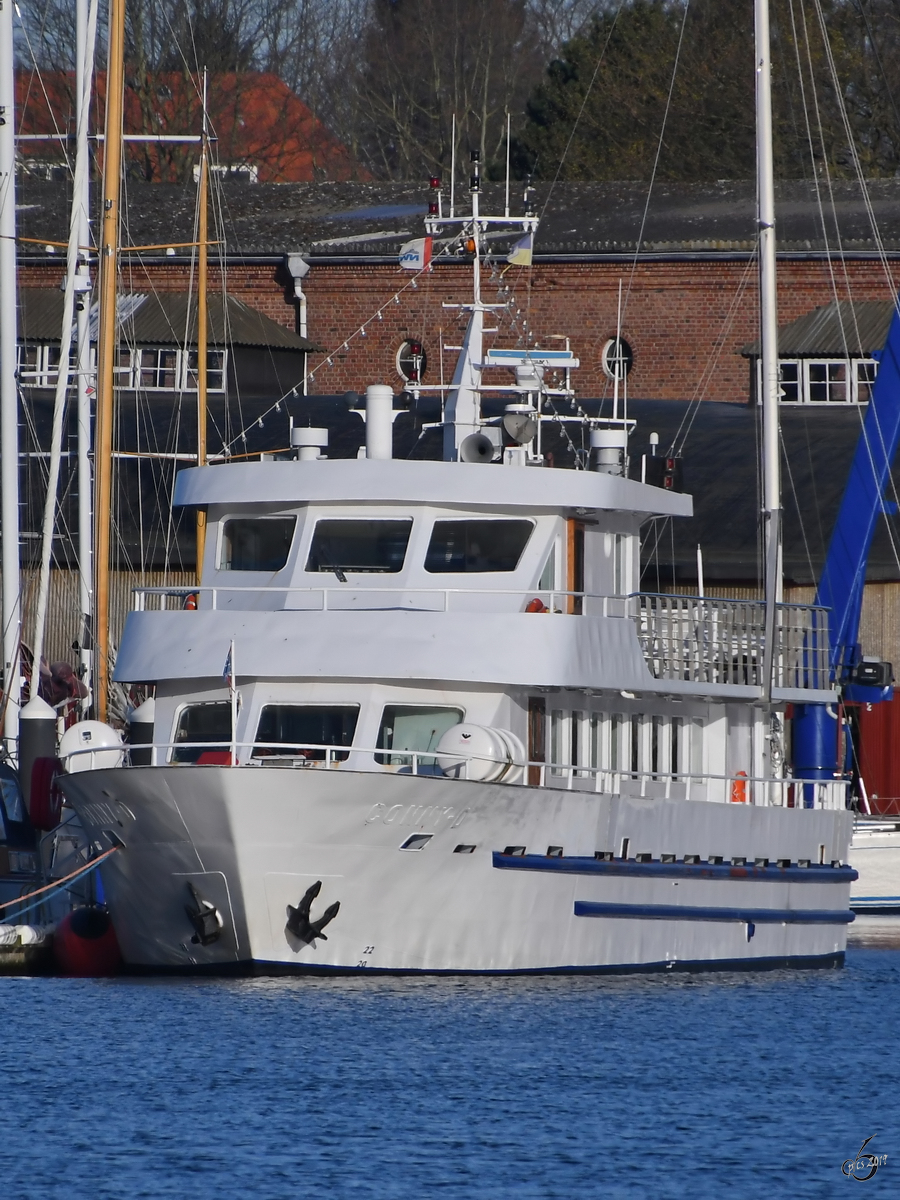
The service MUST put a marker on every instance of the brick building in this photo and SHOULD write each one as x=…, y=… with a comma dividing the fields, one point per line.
x=688, y=292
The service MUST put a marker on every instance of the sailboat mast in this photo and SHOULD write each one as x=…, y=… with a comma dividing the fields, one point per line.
x=202, y=280
x=84, y=69
x=771, y=461
x=106, y=351
x=9, y=401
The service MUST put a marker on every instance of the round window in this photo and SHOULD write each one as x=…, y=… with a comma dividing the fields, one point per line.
x=412, y=361
x=618, y=358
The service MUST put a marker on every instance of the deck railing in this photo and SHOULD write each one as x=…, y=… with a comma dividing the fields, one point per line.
x=691, y=638
x=706, y=640
x=359, y=597
x=758, y=791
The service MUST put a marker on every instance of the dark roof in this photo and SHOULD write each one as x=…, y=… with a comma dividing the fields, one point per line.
x=164, y=318
x=720, y=472
x=578, y=219
x=834, y=330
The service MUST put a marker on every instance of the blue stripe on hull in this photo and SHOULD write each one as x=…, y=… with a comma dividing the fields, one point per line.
x=751, y=916
x=582, y=865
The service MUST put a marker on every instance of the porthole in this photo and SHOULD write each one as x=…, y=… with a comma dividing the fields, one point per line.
x=617, y=358
x=412, y=361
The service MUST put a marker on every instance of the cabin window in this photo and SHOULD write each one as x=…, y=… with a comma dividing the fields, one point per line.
x=560, y=741
x=359, y=546
x=204, y=727
x=458, y=547
x=414, y=728
x=676, y=728
x=305, y=730
x=547, y=581
x=256, y=543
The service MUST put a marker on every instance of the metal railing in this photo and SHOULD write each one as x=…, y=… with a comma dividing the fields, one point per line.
x=757, y=791
x=351, y=597
x=706, y=640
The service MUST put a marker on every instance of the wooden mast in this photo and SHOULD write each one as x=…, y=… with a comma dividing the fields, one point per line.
x=107, y=344
x=203, y=237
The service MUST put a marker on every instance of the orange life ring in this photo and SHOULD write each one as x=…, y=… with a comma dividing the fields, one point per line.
x=190, y=601
x=536, y=606
x=739, y=788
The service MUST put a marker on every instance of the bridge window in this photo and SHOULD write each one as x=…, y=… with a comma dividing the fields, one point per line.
x=305, y=730
x=205, y=727
x=458, y=547
x=359, y=546
x=415, y=728
x=256, y=543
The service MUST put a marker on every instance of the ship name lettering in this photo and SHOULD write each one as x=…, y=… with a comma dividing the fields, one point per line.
x=416, y=814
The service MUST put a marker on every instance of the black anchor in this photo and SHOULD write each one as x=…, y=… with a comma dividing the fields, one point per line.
x=298, y=922
x=204, y=917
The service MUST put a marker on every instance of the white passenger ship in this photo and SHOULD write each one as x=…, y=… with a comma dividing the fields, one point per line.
x=454, y=736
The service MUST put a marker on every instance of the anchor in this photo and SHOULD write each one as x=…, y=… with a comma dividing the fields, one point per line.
x=204, y=917
x=298, y=922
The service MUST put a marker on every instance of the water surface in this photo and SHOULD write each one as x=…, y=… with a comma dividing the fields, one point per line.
x=660, y=1086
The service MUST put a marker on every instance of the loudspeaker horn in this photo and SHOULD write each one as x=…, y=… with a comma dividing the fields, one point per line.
x=476, y=448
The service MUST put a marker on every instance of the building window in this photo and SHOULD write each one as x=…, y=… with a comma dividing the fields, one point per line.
x=38, y=365
x=823, y=380
x=151, y=369
x=168, y=369
x=412, y=361
x=789, y=378
x=617, y=358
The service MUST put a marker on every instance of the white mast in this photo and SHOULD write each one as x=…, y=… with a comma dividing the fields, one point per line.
x=84, y=68
x=463, y=406
x=771, y=461
x=74, y=279
x=9, y=402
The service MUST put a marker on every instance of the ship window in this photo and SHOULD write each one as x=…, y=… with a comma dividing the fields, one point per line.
x=413, y=728
x=473, y=546
x=204, y=727
x=256, y=543
x=359, y=546
x=305, y=730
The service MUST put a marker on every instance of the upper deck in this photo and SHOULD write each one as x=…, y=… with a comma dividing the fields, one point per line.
x=399, y=481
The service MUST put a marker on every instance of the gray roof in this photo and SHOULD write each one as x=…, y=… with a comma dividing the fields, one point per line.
x=164, y=318
x=578, y=219
x=834, y=330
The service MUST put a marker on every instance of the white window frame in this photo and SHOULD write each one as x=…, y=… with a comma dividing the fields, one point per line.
x=146, y=358
x=853, y=369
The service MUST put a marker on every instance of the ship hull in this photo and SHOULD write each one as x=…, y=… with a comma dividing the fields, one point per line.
x=532, y=896
x=875, y=853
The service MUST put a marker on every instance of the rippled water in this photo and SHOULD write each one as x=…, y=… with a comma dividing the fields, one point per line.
x=662, y=1086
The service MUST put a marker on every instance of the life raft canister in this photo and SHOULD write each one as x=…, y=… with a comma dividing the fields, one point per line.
x=739, y=788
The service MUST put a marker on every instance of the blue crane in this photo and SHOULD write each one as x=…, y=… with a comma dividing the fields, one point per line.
x=840, y=589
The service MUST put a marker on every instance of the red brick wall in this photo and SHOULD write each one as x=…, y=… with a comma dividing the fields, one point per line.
x=686, y=322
